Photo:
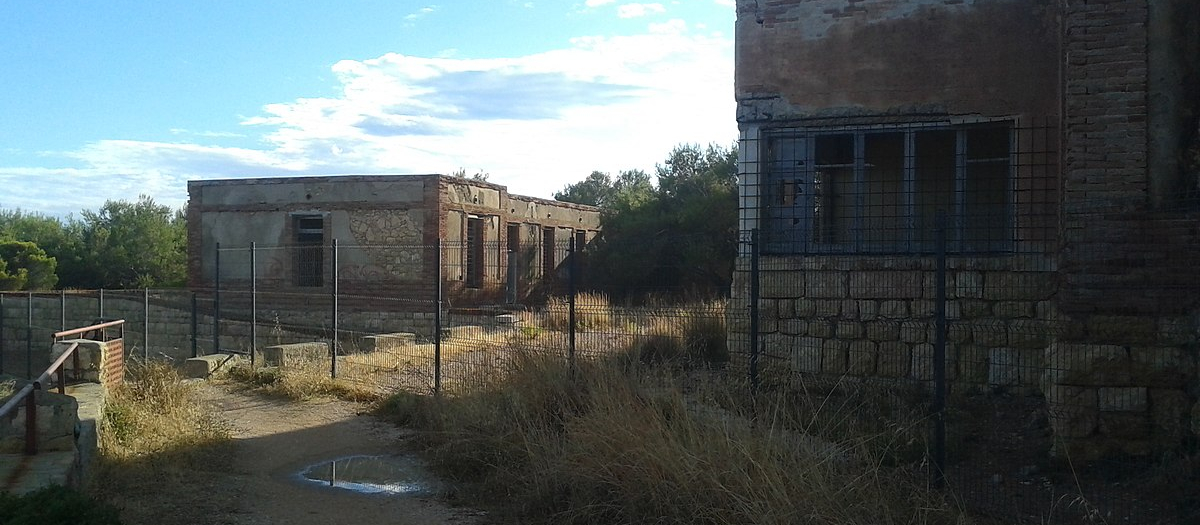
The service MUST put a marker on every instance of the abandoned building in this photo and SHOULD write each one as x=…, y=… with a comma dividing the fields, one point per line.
x=1054, y=142
x=496, y=247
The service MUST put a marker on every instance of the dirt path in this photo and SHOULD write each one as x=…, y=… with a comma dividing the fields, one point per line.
x=273, y=441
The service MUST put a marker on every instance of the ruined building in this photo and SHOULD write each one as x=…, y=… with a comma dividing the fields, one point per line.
x=496, y=247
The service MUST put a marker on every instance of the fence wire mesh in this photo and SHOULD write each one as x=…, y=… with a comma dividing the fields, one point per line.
x=1063, y=393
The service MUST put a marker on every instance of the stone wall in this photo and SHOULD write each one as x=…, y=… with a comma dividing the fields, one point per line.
x=874, y=317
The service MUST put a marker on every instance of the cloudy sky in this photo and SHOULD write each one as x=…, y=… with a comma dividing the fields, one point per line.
x=109, y=100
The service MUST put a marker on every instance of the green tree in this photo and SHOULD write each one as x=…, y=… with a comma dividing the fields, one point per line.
x=25, y=266
x=134, y=245
x=680, y=235
x=61, y=239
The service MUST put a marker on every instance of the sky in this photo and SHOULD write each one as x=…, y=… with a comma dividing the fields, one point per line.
x=115, y=99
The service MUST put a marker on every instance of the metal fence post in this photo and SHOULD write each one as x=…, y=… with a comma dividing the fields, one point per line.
x=100, y=303
x=333, y=343
x=511, y=289
x=571, y=283
x=253, y=301
x=29, y=337
x=939, y=357
x=437, y=317
x=195, y=331
x=754, y=310
x=216, y=342
x=146, y=324
x=3, y=345
x=62, y=307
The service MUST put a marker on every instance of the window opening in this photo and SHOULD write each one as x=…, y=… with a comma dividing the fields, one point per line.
x=310, y=252
x=475, y=252
x=878, y=190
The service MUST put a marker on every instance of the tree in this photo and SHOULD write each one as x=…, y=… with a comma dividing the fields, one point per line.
x=25, y=266
x=678, y=235
x=134, y=245
x=594, y=190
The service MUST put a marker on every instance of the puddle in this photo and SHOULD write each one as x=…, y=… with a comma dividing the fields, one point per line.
x=394, y=475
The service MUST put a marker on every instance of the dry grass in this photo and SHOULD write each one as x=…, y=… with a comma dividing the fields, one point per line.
x=302, y=380
x=7, y=388
x=592, y=310
x=152, y=412
x=621, y=445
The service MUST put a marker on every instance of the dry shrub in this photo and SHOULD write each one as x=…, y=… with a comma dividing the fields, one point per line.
x=694, y=335
x=604, y=445
x=154, y=419
x=592, y=311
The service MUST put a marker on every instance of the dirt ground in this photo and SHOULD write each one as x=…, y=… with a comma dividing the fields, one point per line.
x=255, y=482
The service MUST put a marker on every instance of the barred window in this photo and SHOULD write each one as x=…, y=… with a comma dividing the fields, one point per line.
x=879, y=189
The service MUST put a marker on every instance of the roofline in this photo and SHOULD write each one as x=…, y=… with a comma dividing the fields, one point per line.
x=199, y=183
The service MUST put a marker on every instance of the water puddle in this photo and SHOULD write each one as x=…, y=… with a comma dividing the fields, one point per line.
x=392, y=475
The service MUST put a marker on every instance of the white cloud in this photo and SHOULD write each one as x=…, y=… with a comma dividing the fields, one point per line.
x=420, y=12
x=535, y=122
x=598, y=3
x=638, y=10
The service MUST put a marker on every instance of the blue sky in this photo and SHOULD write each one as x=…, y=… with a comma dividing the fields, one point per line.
x=109, y=100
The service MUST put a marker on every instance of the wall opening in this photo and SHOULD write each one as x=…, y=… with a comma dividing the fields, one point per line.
x=310, y=250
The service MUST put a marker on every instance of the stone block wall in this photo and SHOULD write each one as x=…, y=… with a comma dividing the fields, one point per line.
x=874, y=317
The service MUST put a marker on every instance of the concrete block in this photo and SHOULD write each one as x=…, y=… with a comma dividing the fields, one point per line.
x=203, y=366
x=385, y=342
x=295, y=354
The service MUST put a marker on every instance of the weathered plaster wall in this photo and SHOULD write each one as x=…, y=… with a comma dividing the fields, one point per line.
x=810, y=58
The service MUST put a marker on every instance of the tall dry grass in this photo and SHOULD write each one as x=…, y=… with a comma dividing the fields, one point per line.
x=611, y=444
x=154, y=412
x=592, y=311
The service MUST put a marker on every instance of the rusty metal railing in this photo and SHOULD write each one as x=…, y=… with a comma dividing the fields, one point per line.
x=27, y=393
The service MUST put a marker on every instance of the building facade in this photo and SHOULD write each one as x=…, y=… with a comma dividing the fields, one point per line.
x=1054, y=144
x=495, y=247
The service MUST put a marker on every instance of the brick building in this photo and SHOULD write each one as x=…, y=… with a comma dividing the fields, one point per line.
x=1059, y=141
x=496, y=246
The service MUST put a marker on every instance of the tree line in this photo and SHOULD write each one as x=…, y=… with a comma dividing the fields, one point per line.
x=675, y=229
x=673, y=232
x=139, y=244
